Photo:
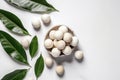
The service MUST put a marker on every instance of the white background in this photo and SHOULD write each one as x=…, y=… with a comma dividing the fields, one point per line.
x=97, y=25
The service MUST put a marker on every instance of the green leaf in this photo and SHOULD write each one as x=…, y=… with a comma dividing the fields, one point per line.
x=12, y=22
x=39, y=66
x=33, y=46
x=15, y=75
x=38, y=6
x=13, y=48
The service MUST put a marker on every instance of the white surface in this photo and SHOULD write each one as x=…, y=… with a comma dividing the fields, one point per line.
x=95, y=22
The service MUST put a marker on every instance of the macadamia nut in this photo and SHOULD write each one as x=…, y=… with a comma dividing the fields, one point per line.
x=63, y=29
x=55, y=52
x=51, y=34
x=48, y=62
x=46, y=18
x=67, y=50
x=25, y=42
x=60, y=44
x=36, y=24
x=79, y=55
x=28, y=37
x=55, y=43
x=67, y=37
x=31, y=78
x=58, y=35
x=48, y=43
x=74, y=42
x=60, y=70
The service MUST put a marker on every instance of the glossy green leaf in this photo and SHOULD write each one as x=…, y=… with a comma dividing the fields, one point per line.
x=38, y=6
x=15, y=75
x=13, y=48
x=33, y=46
x=39, y=66
x=12, y=22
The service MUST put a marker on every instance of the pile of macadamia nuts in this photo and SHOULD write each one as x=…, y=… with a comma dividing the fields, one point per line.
x=60, y=40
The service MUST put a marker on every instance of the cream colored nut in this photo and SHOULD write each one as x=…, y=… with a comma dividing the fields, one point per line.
x=46, y=18
x=58, y=35
x=74, y=42
x=28, y=37
x=78, y=55
x=67, y=37
x=55, y=42
x=51, y=34
x=60, y=70
x=67, y=50
x=48, y=62
x=61, y=44
x=55, y=52
x=25, y=42
x=63, y=29
x=48, y=43
x=36, y=24
x=31, y=78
